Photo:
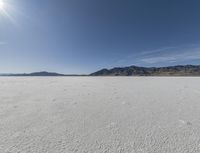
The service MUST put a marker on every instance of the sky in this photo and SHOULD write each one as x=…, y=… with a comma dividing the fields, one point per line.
x=83, y=36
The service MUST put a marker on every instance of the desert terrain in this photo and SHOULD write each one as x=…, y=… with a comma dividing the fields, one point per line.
x=99, y=115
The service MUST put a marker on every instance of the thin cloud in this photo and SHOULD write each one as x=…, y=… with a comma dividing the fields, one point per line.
x=2, y=43
x=164, y=49
x=182, y=54
x=157, y=59
x=164, y=55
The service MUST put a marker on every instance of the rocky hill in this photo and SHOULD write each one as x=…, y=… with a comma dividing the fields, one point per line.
x=180, y=70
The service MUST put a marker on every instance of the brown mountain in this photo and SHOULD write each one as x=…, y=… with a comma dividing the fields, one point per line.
x=179, y=70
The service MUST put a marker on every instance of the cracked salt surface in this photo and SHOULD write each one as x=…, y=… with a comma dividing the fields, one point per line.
x=99, y=115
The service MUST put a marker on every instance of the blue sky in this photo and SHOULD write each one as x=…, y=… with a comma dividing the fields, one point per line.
x=82, y=36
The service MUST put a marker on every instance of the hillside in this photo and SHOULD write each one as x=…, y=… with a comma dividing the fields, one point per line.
x=180, y=70
x=44, y=73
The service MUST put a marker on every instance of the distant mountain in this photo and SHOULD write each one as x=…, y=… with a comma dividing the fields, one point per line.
x=180, y=70
x=35, y=74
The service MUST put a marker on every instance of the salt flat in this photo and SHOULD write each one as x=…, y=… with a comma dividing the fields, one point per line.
x=99, y=115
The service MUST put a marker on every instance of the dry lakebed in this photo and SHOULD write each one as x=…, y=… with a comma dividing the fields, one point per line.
x=99, y=115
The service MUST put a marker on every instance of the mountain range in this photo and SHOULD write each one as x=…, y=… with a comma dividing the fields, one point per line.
x=43, y=73
x=179, y=70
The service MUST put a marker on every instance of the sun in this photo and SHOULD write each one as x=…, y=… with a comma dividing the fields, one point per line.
x=2, y=5
x=5, y=10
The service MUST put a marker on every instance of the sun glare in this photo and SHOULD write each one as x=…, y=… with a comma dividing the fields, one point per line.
x=5, y=10
x=2, y=5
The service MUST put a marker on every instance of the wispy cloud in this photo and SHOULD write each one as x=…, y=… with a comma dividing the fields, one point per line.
x=2, y=43
x=163, y=56
x=154, y=60
x=172, y=55
x=164, y=49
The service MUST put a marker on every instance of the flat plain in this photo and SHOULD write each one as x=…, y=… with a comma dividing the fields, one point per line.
x=99, y=115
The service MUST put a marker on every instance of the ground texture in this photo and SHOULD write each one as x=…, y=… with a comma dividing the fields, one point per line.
x=99, y=115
